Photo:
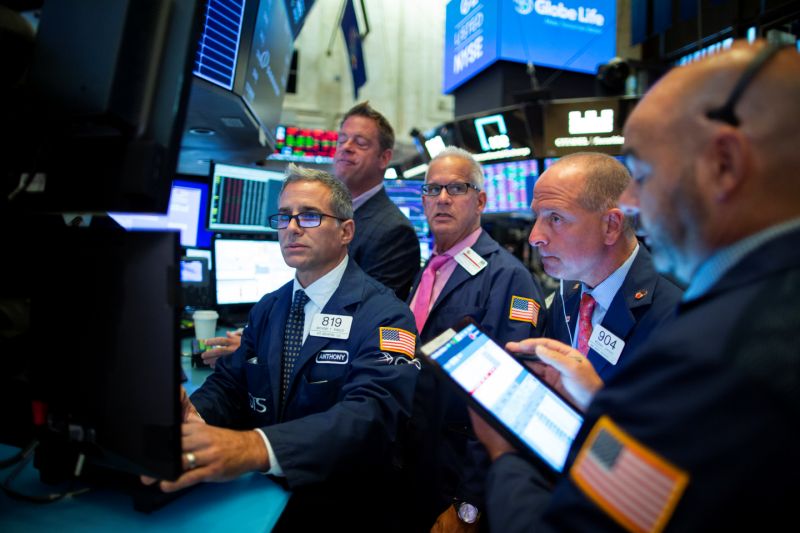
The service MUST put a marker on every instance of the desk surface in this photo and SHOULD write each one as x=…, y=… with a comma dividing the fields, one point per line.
x=250, y=503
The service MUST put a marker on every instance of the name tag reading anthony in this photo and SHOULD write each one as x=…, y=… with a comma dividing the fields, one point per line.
x=331, y=326
x=606, y=344
x=470, y=260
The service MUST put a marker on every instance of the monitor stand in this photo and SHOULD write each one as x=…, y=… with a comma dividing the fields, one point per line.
x=56, y=464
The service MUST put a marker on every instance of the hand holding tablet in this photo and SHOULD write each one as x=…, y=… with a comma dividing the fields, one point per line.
x=522, y=408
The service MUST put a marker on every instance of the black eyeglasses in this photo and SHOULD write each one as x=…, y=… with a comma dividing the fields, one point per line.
x=726, y=113
x=308, y=219
x=456, y=188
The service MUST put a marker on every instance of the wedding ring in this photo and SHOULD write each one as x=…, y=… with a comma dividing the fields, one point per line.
x=192, y=460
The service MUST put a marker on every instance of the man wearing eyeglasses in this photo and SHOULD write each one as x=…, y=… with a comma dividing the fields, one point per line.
x=609, y=288
x=469, y=274
x=699, y=432
x=323, y=374
x=385, y=244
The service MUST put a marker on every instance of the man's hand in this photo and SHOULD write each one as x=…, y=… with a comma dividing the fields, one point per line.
x=222, y=346
x=216, y=454
x=562, y=367
x=494, y=443
x=448, y=522
x=187, y=408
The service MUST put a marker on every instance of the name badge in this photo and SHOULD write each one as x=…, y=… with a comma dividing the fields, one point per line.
x=335, y=357
x=331, y=326
x=470, y=260
x=606, y=344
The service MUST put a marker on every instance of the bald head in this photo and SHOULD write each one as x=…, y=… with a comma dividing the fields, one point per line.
x=768, y=108
x=706, y=183
x=604, y=179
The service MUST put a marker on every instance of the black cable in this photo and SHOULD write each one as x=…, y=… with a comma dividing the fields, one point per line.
x=19, y=456
x=24, y=459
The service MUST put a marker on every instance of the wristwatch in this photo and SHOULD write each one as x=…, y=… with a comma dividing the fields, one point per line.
x=467, y=512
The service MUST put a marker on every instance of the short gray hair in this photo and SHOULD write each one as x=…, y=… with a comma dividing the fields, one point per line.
x=475, y=169
x=341, y=200
x=606, y=179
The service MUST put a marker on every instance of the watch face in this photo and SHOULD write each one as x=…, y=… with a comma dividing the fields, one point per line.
x=467, y=512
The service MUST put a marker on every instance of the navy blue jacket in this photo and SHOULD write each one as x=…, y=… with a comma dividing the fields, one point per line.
x=441, y=432
x=346, y=397
x=715, y=392
x=642, y=303
x=385, y=244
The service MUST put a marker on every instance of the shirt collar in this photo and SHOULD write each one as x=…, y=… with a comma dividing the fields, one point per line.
x=467, y=241
x=362, y=198
x=712, y=269
x=605, y=291
x=321, y=290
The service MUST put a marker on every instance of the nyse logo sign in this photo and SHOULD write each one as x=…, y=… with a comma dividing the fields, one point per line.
x=498, y=141
x=591, y=122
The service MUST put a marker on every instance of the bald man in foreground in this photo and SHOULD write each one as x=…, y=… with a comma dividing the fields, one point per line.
x=699, y=432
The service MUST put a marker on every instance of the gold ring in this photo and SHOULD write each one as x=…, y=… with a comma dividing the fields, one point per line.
x=192, y=460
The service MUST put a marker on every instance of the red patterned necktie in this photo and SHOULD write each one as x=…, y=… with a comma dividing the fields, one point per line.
x=425, y=290
x=585, y=322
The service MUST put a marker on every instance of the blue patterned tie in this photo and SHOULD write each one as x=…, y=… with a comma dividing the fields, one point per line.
x=292, y=339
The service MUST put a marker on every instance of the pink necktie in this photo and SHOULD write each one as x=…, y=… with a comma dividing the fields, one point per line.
x=585, y=322
x=425, y=289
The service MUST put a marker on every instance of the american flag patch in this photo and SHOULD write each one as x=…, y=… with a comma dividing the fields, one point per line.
x=635, y=486
x=398, y=340
x=524, y=309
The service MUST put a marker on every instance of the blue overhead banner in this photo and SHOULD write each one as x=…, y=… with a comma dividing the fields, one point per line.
x=470, y=40
x=576, y=35
x=355, y=53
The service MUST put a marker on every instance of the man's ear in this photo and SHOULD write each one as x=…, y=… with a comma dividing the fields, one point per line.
x=348, y=229
x=385, y=158
x=613, y=225
x=726, y=159
x=481, y=200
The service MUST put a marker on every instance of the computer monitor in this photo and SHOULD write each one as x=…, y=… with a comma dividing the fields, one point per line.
x=201, y=252
x=96, y=125
x=196, y=283
x=305, y=145
x=407, y=195
x=243, y=198
x=188, y=205
x=92, y=318
x=247, y=269
x=509, y=185
x=497, y=134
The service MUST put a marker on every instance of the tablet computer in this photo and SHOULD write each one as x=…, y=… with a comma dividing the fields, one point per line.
x=531, y=415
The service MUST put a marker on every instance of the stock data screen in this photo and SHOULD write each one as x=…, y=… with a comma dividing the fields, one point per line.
x=406, y=195
x=248, y=269
x=243, y=198
x=509, y=186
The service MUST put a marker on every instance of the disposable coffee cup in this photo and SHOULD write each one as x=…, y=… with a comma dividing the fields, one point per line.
x=205, y=324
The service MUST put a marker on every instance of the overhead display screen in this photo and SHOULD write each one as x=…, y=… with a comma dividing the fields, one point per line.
x=573, y=35
x=579, y=124
x=501, y=134
x=268, y=64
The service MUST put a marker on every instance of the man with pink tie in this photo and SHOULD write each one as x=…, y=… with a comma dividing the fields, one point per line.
x=469, y=274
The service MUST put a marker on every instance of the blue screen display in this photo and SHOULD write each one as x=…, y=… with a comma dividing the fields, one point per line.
x=186, y=213
x=563, y=34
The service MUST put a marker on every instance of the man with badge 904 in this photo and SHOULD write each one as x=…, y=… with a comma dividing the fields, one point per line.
x=469, y=274
x=611, y=298
x=321, y=381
